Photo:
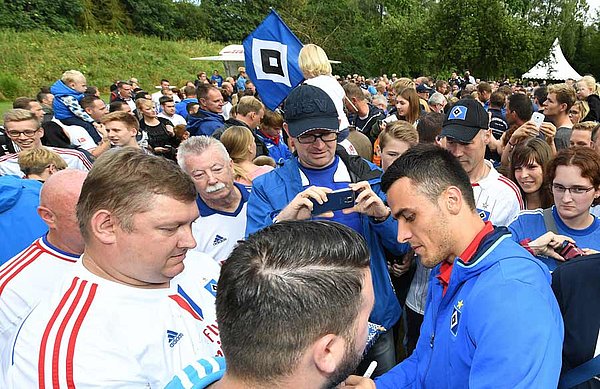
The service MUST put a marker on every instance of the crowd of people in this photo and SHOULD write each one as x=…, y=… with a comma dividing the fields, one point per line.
x=187, y=238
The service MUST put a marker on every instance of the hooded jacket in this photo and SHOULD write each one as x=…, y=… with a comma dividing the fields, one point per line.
x=59, y=89
x=19, y=222
x=273, y=191
x=497, y=326
x=204, y=123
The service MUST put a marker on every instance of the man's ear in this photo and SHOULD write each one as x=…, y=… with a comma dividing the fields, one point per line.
x=103, y=226
x=47, y=216
x=453, y=200
x=328, y=352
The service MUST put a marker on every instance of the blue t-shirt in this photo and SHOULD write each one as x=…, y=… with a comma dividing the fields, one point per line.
x=334, y=176
x=530, y=224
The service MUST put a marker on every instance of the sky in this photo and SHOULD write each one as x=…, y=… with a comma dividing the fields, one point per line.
x=594, y=6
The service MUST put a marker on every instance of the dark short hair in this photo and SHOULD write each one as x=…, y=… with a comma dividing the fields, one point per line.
x=23, y=103
x=165, y=99
x=116, y=105
x=88, y=101
x=521, y=105
x=432, y=170
x=430, y=126
x=497, y=99
x=283, y=288
x=202, y=91
x=541, y=92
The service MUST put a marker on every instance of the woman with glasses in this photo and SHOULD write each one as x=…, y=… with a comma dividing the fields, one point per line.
x=527, y=167
x=574, y=178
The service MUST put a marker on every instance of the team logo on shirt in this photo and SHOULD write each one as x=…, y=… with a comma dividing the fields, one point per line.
x=483, y=214
x=173, y=337
x=211, y=286
x=455, y=318
x=218, y=240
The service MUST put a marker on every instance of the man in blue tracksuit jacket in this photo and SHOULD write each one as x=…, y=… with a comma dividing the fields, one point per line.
x=491, y=319
x=283, y=194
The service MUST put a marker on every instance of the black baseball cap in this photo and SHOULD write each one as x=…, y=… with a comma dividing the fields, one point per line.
x=464, y=120
x=309, y=108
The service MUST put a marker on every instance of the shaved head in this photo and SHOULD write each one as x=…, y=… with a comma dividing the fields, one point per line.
x=58, y=200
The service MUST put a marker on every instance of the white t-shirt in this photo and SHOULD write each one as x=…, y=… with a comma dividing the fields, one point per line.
x=95, y=333
x=497, y=198
x=78, y=135
x=217, y=232
x=24, y=279
x=75, y=159
x=335, y=91
x=175, y=119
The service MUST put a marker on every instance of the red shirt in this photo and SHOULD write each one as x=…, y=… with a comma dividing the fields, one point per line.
x=446, y=268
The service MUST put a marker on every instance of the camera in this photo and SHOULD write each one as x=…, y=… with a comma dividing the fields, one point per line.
x=568, y=250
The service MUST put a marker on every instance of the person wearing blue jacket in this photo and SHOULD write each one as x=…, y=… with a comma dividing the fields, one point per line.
x=68, y=91
x=491, y=319
x=20, y=223
x=320, y=167
x=208, y=118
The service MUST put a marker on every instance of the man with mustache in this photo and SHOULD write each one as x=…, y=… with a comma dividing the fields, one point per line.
x=221, y=202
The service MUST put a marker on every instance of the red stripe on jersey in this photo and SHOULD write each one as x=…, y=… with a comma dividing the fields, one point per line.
x=514, y=188
x=8, y=266
x=21, y=264
x=74, y=153
x=73, y=337
x=44, y=343
x=61, y=331
x=184, y=304
x=8, y=156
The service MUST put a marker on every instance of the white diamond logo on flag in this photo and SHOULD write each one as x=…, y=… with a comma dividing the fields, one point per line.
x=270, y=61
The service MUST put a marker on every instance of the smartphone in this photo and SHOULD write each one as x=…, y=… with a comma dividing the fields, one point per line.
x=336, y=200
x=389, y=119
x=568, y=250
x=538, y=119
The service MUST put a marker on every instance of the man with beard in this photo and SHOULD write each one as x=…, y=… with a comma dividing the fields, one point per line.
x=293, y=302
x=488, y=299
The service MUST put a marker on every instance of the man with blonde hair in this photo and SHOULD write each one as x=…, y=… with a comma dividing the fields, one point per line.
x=23, y=128
x=39, y=164
x=121, y=129
x=138, y=306
x=582, y=134
x=248, y=113
x=559, y=101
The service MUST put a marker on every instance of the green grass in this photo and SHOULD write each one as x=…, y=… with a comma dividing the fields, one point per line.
x=39, y=58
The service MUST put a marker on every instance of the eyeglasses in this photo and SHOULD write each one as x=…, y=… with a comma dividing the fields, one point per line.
x=573, y=190
x=16, y=134
x=312, y=138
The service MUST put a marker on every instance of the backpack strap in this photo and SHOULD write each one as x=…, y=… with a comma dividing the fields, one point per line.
x=580, y=374
x=549, y=221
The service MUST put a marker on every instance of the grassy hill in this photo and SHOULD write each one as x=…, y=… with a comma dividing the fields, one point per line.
x=33, y=59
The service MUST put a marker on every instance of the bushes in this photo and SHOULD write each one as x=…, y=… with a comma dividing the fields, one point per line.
x=11, y=86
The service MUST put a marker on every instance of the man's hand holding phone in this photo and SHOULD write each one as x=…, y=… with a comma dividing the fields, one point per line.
x=301, y=206
x=367, y=202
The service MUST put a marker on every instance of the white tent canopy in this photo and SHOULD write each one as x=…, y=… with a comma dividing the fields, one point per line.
x=232, y=57
x=556, y=68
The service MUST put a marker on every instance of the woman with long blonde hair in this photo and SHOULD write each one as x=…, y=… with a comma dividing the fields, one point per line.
x=240, y=144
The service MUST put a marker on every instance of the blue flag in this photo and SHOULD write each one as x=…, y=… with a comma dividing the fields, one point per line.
x=271, y=54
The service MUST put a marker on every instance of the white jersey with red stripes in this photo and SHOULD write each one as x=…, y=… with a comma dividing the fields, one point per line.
x=497, y=198
x=96, y=333
x=24, y=280
x=75, y=159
